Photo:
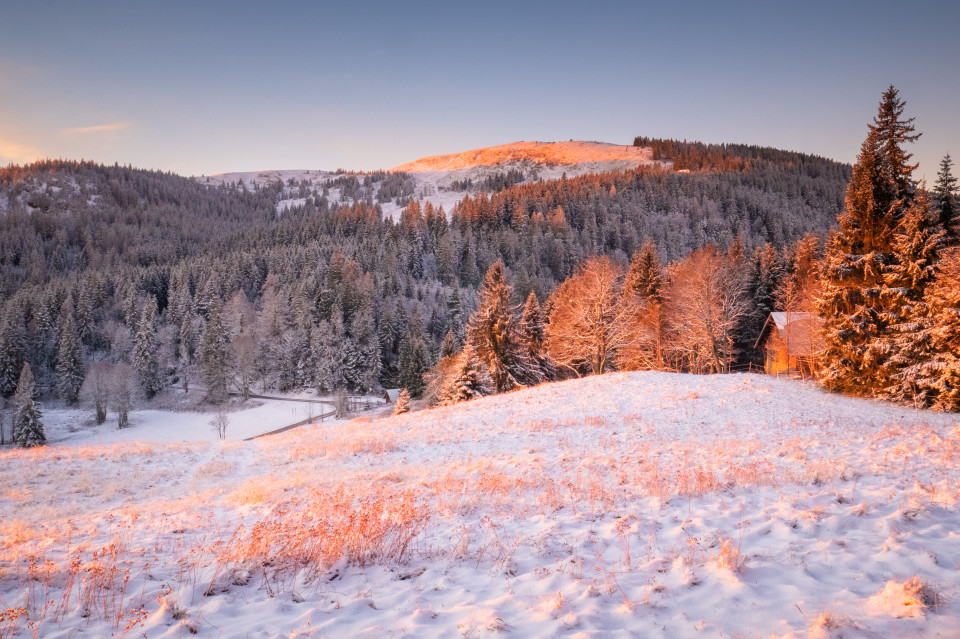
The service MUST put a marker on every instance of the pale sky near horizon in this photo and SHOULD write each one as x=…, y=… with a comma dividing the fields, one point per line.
x=210, y=87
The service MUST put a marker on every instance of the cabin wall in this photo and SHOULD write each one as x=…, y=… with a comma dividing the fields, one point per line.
x=778, y=358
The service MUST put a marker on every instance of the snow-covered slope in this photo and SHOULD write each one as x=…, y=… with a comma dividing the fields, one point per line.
x=598, y=154
x=435, y=178
x=635, y=504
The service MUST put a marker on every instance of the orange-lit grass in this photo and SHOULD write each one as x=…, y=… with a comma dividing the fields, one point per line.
x=305, y=536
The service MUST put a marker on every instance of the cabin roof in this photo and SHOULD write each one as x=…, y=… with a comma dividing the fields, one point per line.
x=800, y=331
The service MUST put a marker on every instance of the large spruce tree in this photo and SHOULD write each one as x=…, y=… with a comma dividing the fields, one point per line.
x=861, y=255
x=214, y=356
x=11, y=355
x=69, y=366
x=941, y=374
x=146, y=361
x=909, y=344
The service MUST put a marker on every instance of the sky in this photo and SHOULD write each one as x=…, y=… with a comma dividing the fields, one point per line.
x=211, y=87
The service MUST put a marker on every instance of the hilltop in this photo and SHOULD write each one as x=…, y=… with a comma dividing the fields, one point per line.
x=604, y=156
x=656, y=504
x=444, y=180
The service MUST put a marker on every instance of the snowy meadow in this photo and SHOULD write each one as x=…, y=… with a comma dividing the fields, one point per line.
x=631, y=504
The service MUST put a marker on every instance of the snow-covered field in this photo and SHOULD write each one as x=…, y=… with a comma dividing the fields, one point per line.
x=75, y=427
x=635, y=504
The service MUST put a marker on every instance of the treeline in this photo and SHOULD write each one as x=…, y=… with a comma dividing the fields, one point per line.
x=495, y=182
x=887, y=291
x=59, y=219
x=702, y=314
x=209, y=286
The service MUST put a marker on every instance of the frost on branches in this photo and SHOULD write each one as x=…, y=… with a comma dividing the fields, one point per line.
x=861, y=256
x=497, y=336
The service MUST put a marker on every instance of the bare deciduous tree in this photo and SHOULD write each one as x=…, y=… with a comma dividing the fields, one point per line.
x=121, y=391
x=219, y=423
x=706, y=301
x=589, y=318
x=96, y=389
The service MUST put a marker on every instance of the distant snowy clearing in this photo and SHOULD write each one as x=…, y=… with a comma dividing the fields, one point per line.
x=633, y=504
x=256, y=417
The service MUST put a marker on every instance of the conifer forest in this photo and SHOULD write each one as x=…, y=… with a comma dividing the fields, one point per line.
x=658, y=268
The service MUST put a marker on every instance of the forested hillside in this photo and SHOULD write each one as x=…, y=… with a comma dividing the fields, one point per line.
x=183, y=280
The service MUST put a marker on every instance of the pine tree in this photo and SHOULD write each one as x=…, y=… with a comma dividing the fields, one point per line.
x=533, y=327
x=413, y=364
x=645, y=275
x=494, y=332
x=12, y=354
x=468, y=381
x=69, y=367
x=455, y=315
x=908, y=343
x=945, y=201
x=860, y=256
x=145, y=359
x=214, y=357
x=896, y=187
x=941, y=374
x=448, y=347
x=403, y=402
x=186, y=348
x=763, y=279
x=648, y=327
x=27, y=426
x=327, y=377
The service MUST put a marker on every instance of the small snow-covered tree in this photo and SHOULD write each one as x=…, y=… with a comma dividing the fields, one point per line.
x=27, y=424
x=468, y=380
x=403, y=402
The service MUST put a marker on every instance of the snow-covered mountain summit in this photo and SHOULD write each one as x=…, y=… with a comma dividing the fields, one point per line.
x=444, y=180
x=599, y=155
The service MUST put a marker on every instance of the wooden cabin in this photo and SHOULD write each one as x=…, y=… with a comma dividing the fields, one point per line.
x=791, y=342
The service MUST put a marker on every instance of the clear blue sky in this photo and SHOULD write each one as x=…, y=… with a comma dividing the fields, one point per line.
x=208, y=87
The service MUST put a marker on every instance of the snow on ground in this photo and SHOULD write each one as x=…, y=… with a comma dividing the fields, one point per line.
x=76, y=427
x=545, y=153
x=635, y=504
